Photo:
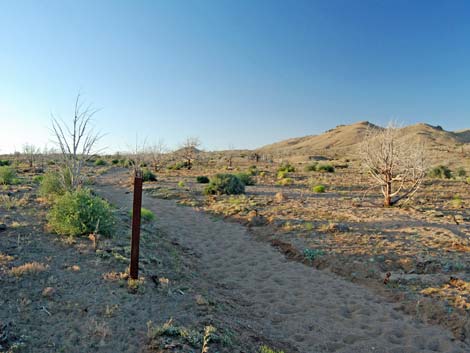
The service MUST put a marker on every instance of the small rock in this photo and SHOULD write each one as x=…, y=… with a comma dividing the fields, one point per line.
x=48, y=292
x=280, y=197
x=3, y=227
x=200, y=300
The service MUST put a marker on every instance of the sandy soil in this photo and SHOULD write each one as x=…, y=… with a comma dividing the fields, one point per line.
x=285, y=301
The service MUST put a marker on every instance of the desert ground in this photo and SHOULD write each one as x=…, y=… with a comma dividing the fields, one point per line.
x=286, y=266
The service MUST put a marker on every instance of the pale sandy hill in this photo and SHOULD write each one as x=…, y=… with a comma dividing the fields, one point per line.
x=344, y=140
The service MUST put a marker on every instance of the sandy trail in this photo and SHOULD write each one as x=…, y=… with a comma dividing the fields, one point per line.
x=314, y=311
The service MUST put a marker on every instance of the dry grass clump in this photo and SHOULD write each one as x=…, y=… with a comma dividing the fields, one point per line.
x=28, y=268
x=4, y=259
x=456, y=292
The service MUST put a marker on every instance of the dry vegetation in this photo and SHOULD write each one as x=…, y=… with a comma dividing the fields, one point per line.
x=416, y=254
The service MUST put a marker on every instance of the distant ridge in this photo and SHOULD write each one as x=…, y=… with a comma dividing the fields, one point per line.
x=344, y=140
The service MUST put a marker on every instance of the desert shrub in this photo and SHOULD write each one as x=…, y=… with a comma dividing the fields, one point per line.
x=181, y=184
x=7, y=175
x=79, y=212
x=266, y=349
x=441, y=172
x=202, y=179
x=51, y=186
x=281, y=174
x=262, y=174
x=37, y=179
x=318, y=188
x=4, y=162
x=456, y=201
x=285, y=181
x=253, y=170
x=227, y=184
x=178, y=166
x=145, y=214
x=286, y=167
x=312, y=254
x=245, y=179
x=461, y=172
x=326, y=168
x=311, y=167
x=115, y=161
x=100, y=162
x=147, y=175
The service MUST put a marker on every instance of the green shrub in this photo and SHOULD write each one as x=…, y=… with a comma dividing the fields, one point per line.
x=281, y=174
x=178, y=166
x=181, y=184
x=80, y=213
x=311, y=167
x=461, y=172
x=266, y=349
x=7, y=175
x=51, y=186
x=37, y=179
x=285, y=182
x=286, y=167
x=115, y=161
x=245, y=179
x=227, y=184
x=325, y=168
x=253, y=170
x=4, y=162
x=202, y=179
x=441, y=172
x=100, y=162
x=145, y=214
x=318, y=188
x=312, y=254
x=147, y=175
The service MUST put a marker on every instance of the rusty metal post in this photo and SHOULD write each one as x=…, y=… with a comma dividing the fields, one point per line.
x=134, y=268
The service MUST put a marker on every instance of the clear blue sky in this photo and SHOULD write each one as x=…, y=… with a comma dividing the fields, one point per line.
x=240, y=72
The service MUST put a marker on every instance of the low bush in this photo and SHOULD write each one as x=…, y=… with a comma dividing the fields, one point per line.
x=4, y=162
x=202, y=179
x=461, y=172
x=245, y=179
x=253, y=170
x=441, y=172
x=325, y=168
x=281, y=174
x=7, y=175
x=115, y=161
x=318, y=188
x=311, y=167
x=80, y=213
x=147, y=175
x=100, y=162
x=37, y=179
x=51, y=186
x=145, y=214
x=178, y=166
x=266, y=349
x=286, y=167
x=285, y=181
x=181, y=184
x=227, y=184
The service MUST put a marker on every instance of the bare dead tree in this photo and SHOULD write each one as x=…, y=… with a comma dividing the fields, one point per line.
x=156, y=153
x=76, y=143
x=398, y=167
x=30, y=152
x=189, y=150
